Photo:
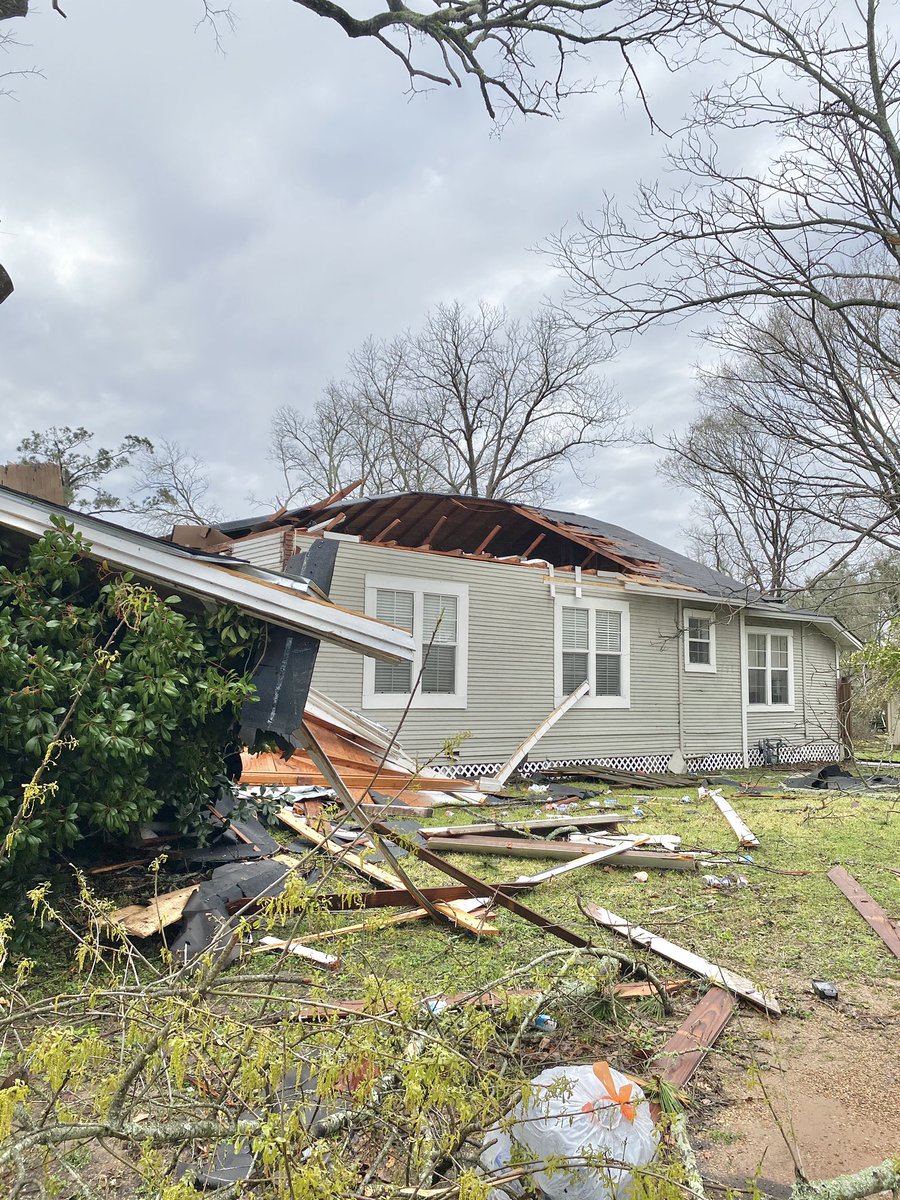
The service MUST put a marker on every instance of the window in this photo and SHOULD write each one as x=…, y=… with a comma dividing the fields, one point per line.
x=770, y=668
x=436, y=614
x=699, y=631
x=592, y=645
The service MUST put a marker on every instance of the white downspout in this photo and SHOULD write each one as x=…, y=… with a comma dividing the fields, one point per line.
x=745, y=749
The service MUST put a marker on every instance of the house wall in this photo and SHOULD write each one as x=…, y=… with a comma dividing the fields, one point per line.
x=511, y=668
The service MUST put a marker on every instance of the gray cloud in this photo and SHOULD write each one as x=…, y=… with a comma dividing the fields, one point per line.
x=197, y=238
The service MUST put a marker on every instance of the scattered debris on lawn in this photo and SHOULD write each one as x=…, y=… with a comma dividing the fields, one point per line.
x=870, y=910
x=835, y=777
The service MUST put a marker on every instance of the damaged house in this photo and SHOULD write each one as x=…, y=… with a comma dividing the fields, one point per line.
x=528, y=604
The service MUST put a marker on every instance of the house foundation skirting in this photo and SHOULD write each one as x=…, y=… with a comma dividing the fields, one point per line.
x=786, y=755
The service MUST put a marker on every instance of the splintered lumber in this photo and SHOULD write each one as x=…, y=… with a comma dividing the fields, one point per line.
x=329, y=935
x=485, y=889
x=686, y=1049
x=385, y=898
x=354, y=1008
x=745, y=834
x=544, y=825
x=587, y=860
x=144, y=920
x=533, y=738
x=737, y=984
x=870, y=910
x=319, y=957
x=564, y=851
x=379, y=875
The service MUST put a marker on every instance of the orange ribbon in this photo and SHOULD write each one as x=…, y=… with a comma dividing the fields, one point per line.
x=620, y=1096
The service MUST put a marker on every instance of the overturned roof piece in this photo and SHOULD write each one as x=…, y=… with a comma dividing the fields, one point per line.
x=474, y=527
x=289, y=603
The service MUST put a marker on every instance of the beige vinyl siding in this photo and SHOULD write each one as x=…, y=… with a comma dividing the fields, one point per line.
x=262, y=549
x=814, y=718
x=712, y=700
x=511, y=669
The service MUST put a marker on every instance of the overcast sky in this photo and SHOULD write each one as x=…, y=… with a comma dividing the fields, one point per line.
x=199, y=237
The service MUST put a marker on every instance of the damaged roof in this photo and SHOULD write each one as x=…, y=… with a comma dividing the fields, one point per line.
x=506, y=531
x=292, y=604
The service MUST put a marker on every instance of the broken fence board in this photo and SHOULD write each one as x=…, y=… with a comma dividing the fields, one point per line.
x=379, y=875
x=870, y=910
x=533, y=738
x=745, y=834
x=545, y=824
x=737, y=984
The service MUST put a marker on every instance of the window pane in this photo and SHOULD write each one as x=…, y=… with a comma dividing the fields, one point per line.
x=698, y=629
x=439, y=676
x=609, y=674
x=575, y=629
x=756, y=650
x=438, y=607
x=699, y=652
x=574, y=671
x=392, y=680
x=756, y=692
x=779, y=651
x=395, y=607
x=609, y=631
x=780, y=690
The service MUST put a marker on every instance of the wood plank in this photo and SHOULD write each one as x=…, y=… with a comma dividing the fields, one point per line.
x=384, y=897
x=685, y=958
x=562, y=851
x=870, y=910
x=319, y=957
x=745, y=834
x=588, y=860
x=379, y=875
x=489, y=828
x=533, y=738
x=329, y=935
x=686, y=1049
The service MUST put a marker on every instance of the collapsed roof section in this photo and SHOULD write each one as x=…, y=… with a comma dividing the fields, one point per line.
x=504, y=531
x=292, y=604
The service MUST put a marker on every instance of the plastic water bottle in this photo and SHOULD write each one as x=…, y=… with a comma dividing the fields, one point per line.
x=545, y=1023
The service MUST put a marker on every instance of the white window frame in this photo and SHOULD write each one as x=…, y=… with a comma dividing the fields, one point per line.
x=592, y=700
x=705, y=614
x=418, y=587
x=770, y=631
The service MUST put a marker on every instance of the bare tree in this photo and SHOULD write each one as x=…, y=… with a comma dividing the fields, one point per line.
x=521, y=55
x=745, y=521
x=476, y=403
x=172, y=487
x=797, y=262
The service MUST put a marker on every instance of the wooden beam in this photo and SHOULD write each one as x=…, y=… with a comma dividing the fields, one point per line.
x=745, y=834
x=387, y=529
x=589, y=541
x=340, y=931
x=486, y=541
x=384, y=898
x=340, y=494
x=532, y=546
x=378, y=874
x=604, y=822
x=870, y=910
x=533, y=738
x=685, y=958
x=426, y=545
x=563, y=851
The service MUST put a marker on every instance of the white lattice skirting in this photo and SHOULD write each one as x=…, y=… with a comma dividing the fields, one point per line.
x=808, y=752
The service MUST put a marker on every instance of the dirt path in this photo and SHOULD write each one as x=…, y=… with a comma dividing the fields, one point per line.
x=833, y=1078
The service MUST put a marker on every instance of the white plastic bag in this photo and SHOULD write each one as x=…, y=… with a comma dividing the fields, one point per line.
x=571, y=1112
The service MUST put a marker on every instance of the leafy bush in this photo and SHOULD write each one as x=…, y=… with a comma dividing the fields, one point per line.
x=113, y=702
